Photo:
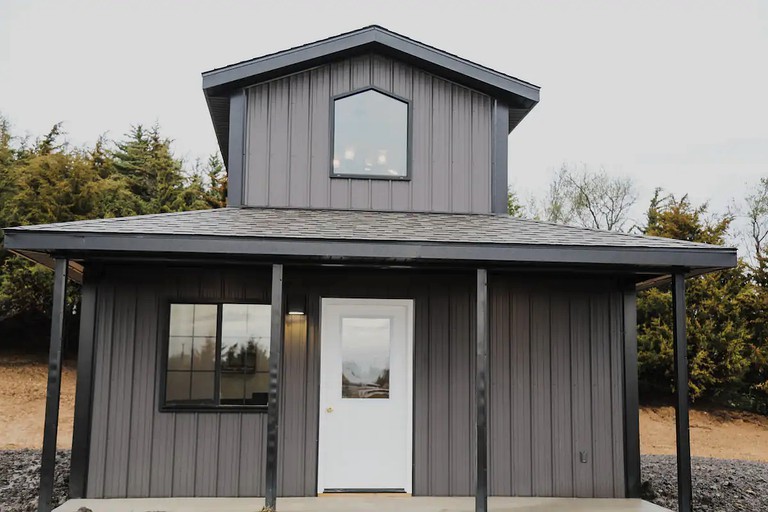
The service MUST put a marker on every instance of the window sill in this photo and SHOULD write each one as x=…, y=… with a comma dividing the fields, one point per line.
x=254, y=409
x=367, y=177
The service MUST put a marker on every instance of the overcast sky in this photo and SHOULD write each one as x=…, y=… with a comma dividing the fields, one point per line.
x=672, y=94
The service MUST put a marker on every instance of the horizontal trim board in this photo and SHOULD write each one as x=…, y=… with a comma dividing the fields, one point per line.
x=409, y=251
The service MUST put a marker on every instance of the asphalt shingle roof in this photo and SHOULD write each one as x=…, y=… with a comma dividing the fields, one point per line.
x=350, y=225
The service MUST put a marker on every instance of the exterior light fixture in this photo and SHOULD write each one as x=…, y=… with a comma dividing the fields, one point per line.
x=296, y=305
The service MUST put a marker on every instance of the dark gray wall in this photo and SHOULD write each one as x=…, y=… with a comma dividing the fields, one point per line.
x=556, y=388
x=137, y=451
x=551, y=347
x=288, y=141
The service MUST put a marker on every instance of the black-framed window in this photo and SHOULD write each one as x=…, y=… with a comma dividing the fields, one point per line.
x=370, y=136
x=217, y=355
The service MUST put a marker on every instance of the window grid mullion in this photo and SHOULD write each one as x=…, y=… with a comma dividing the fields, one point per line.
x=217, y=360
x=217, y=371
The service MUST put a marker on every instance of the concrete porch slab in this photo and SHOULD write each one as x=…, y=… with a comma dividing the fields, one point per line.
x=358, y=503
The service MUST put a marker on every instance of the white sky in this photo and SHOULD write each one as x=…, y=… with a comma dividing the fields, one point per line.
x=672, y=94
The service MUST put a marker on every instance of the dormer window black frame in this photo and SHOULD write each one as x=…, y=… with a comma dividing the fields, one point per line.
x=409, y=136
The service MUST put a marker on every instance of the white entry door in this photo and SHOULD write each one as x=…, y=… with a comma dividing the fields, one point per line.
x=366, y=394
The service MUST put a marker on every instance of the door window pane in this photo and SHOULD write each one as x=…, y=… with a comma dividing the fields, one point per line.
x=365, y=345
x=370, y=136
x=245, y=336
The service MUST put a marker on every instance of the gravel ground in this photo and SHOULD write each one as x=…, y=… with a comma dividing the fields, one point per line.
x=20, y=478
x=719, y=485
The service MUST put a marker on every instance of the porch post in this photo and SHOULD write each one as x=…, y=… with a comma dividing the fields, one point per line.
x=631, y=396
x=681, y=402
x=481, y=386
x=81, y=435
x=275, y=349
x=48, y=457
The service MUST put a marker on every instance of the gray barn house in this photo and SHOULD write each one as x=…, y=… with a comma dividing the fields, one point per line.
x=363, y=316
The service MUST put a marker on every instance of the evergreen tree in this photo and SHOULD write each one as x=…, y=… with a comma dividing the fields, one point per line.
x=216, y=194
x=718, y=334
x=49, y=181
x=514, y=206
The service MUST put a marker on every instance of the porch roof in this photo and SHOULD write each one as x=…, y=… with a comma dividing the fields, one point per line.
x=366, y=235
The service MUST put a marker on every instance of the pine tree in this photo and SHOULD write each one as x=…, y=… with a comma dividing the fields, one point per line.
x=216, y=194
x=718, y=334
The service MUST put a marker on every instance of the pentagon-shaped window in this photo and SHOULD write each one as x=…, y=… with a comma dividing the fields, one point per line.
x=370, y=136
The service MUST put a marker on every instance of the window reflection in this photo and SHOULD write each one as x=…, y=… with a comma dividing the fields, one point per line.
x=370, y=136
x=191, y=353
x=194, y=364
x=365, y=346
x=245, y=331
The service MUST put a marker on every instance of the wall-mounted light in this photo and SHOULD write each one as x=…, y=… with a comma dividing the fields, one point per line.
x=296, y=305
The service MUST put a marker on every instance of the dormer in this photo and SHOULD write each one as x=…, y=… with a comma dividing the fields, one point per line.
x=366, y=120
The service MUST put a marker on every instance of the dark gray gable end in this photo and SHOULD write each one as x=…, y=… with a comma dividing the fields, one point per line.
x=220, y=84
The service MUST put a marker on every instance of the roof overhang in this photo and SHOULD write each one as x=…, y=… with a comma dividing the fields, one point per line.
x=652, y=263
x=219, y=84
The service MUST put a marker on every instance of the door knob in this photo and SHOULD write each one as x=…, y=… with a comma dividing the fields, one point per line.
x=329, y=409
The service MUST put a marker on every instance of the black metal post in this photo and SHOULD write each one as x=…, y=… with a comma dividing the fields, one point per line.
x=631, y=397
x=684, y=486
x=481, y=386
x=275, y=350
x=81, y=432
x=48, y=457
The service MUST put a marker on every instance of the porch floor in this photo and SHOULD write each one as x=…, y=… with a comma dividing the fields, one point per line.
x=359, y=503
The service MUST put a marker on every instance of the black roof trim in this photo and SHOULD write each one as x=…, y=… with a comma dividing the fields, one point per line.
x=371, y=37
x=519, y=95
x=79, y=245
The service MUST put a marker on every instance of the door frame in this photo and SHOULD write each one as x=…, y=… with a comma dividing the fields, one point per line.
x=409, y=341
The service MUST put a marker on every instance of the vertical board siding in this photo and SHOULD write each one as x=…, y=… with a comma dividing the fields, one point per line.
x=555, y=387
x=121, y=378
x=439, y=400
x=617, y=392
x=499, y=397
x=555, y=370
x=601, y=395
x=481, y=152
x=137, y=451
x=560, y=364
x=289, y=141
x=541, y=386
x=299, y=158
x=101, y=390
x=143, y=398
x=319, y=146
x=520, y=380
x=581, y=397
x=256, y=179
x=278, y=106
x=294, y=416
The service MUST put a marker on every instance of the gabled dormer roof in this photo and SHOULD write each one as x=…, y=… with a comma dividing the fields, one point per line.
x=220, y=83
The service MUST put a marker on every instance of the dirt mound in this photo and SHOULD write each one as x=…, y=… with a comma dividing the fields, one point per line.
x=717, y=433
x=23, y=381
